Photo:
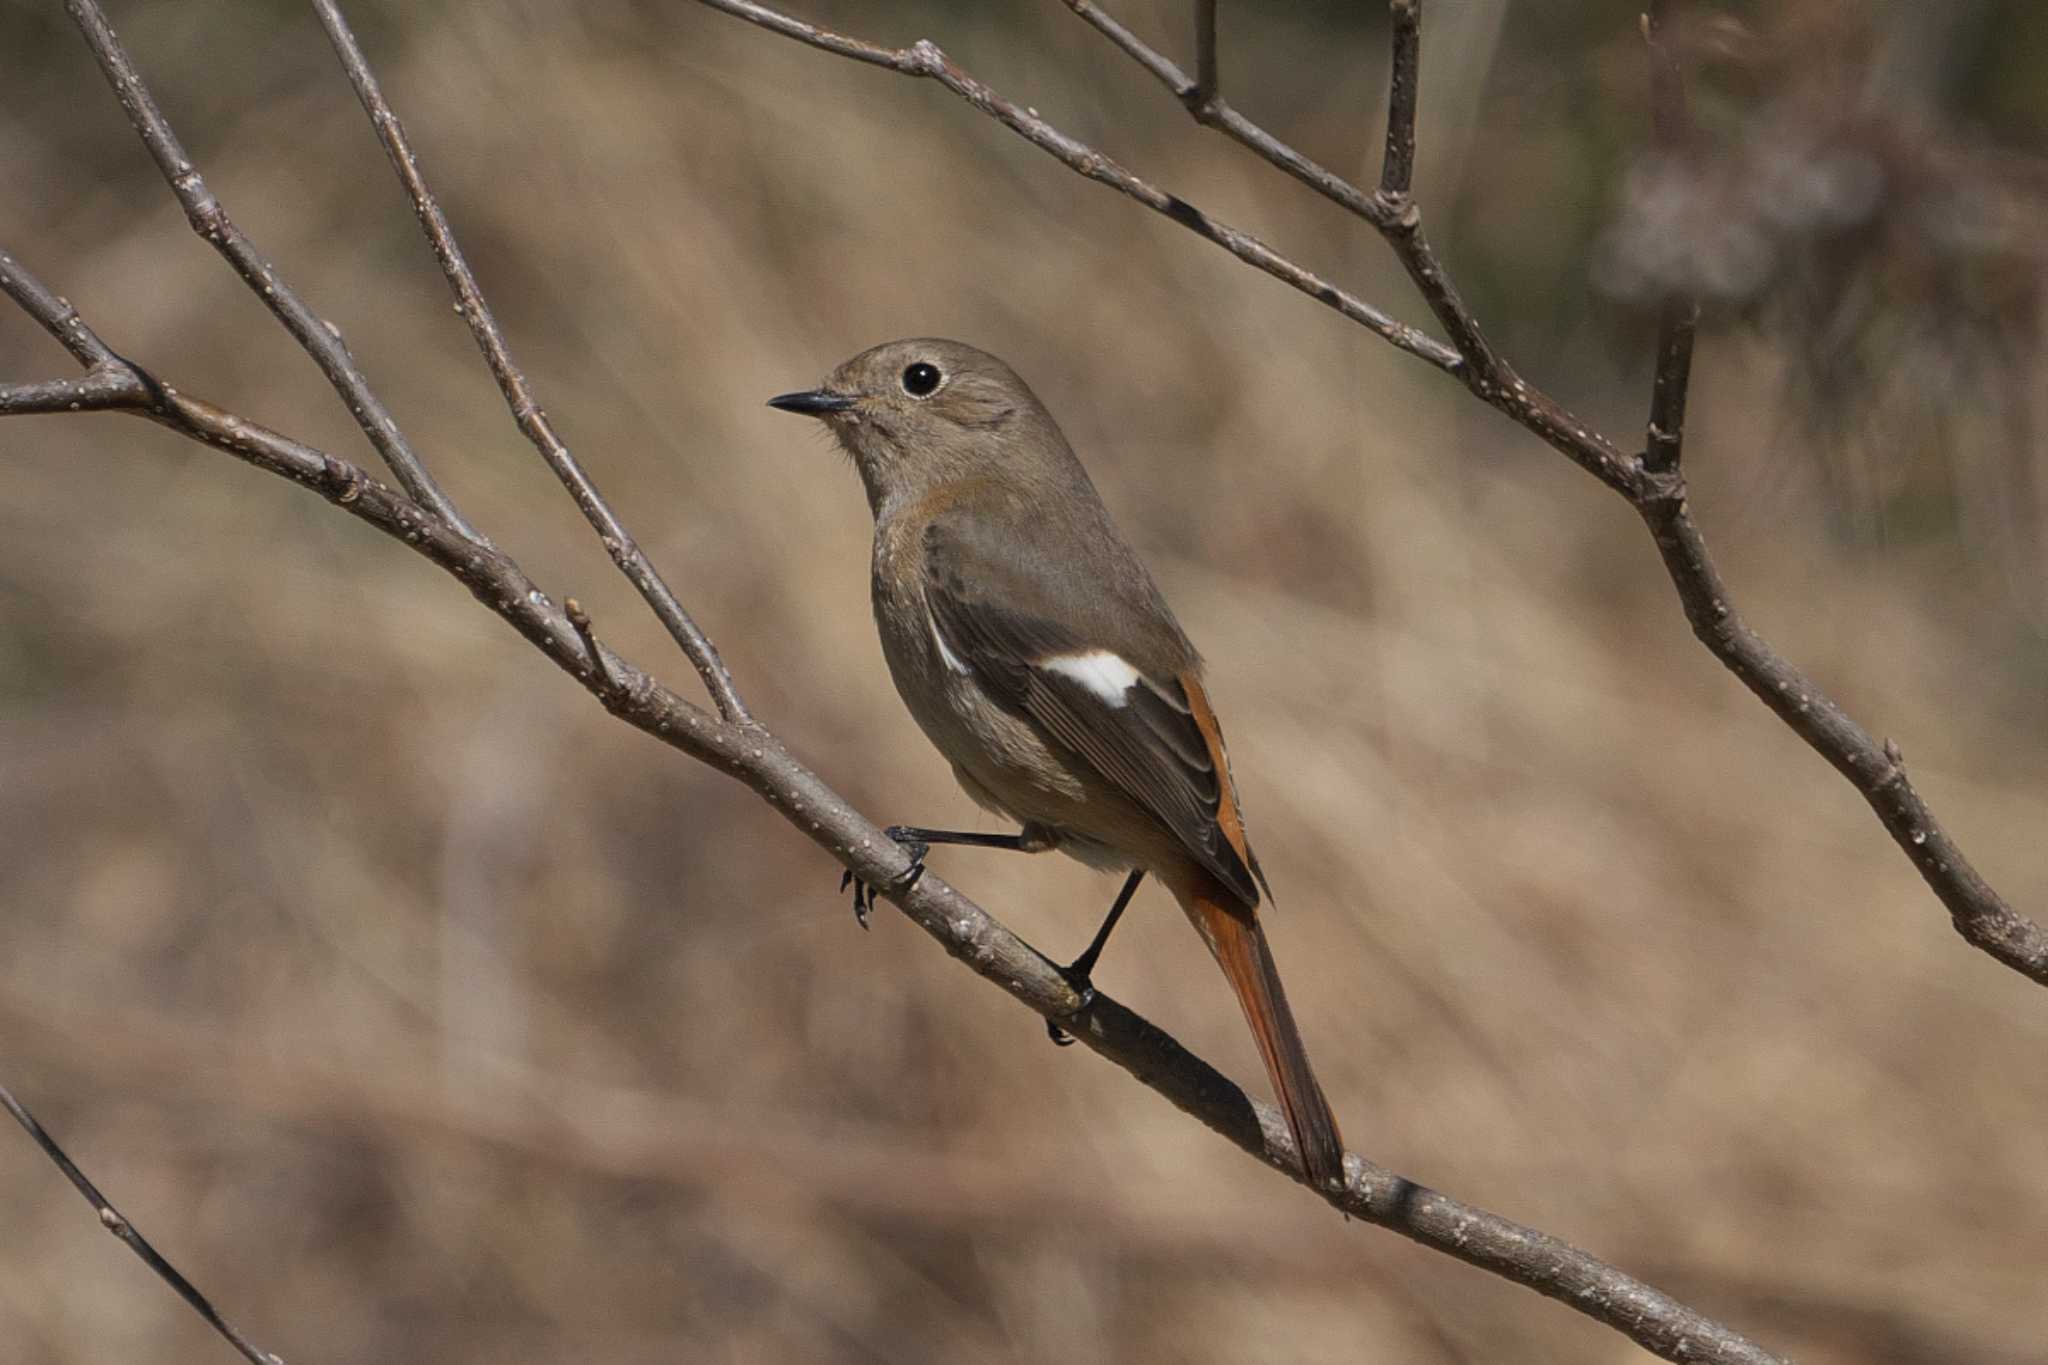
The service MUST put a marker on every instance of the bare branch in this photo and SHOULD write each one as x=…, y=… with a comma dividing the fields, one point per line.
x=1980, y=915
x=924, y=59
x=1206, y=77
x=526, y=411
x=1390, y=212
x=210, y=220
x=748, y=753
x=1679, y=314
x=113, y=1221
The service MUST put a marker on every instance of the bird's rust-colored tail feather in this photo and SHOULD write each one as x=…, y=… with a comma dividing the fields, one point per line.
x=1232, y=932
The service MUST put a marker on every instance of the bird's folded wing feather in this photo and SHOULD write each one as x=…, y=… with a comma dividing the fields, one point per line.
x=1036, y=650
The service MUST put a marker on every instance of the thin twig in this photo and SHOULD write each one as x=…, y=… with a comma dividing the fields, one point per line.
x=924, y=60
x=1404, y=94
x=210, y=220
x=1391, y=212
x=1371, y=1192
x=1980, y=915
x=108, y=383
x=1679, y=314
x=1206, y=75
x=113, y=1221
x=1403, y=222
x=526, y=411
x=54, y=314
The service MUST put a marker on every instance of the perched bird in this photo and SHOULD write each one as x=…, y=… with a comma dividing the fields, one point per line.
x=1038, y=655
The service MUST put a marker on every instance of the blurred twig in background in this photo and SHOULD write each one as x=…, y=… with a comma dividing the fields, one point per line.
x=1898, y=255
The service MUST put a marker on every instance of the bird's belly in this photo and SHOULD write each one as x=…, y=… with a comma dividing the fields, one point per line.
x=1000, y=757
x=1006, y=763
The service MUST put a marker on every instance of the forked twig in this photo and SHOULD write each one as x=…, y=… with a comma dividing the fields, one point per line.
x=1391, y=212
x=210, y=220
x=924, y=60
x=526, y=411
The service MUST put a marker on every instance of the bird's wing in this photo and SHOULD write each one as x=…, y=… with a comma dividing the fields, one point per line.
x=1007, y=615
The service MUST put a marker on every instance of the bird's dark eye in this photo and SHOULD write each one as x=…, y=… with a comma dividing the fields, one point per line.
x=920, y=379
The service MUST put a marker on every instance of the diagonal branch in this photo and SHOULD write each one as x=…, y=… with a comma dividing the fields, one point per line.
x=1979, y=913
x=526, y=411
x=1371, y=1192
x=113, y=1221
x=210, y=220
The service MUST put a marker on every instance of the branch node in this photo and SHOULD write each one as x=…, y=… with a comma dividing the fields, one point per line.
x=1663, y=490
x=344, y=480
x=1205, y=106
x=1398, y=211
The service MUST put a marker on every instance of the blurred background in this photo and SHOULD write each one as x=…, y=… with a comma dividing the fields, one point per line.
x=420, y=1011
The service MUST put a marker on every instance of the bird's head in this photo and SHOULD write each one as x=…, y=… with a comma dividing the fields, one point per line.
x=919, y=413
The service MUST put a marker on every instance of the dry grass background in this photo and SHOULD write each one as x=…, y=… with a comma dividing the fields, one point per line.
x=420, y=1012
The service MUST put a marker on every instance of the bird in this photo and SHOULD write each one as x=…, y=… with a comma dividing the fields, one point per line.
x=1036, y=652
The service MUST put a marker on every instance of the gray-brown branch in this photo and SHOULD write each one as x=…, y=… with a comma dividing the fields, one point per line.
x=1657, y=493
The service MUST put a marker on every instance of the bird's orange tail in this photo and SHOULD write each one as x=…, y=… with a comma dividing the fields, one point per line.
x=1232, y=932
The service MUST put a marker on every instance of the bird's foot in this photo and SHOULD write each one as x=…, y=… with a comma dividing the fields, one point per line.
x=1083, y=987
x=864, y=894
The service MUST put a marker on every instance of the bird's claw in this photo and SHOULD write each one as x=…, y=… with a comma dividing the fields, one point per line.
x=864, y=893
x=1083, y=988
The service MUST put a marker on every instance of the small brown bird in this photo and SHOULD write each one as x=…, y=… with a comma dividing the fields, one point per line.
x=1037, y=654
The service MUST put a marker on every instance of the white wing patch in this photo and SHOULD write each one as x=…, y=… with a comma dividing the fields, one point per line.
x=953, y=661
x=1098, y=670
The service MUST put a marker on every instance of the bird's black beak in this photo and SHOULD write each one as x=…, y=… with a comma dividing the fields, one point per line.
x=811, y=402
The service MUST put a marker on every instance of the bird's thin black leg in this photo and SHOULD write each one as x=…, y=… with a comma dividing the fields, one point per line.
x=917, y=842
x=1081, y=968
x=908, y=835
